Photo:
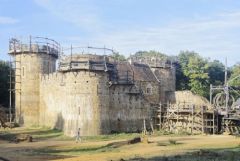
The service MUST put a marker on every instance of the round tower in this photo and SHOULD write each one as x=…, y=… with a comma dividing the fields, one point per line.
x=86, y=78
x=30, y=59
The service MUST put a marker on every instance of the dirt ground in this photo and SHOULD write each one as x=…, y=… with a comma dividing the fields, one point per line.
x=52, y=145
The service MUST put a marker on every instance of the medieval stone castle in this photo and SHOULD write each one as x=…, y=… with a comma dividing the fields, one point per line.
x=99, y=94
x=90, y=91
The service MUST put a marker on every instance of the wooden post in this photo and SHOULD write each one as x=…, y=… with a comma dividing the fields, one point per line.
x=10, y=91
x=177, y=113
x=160, y=114
x=211, y=94
x=177, y=118
x=213, y=121
x=30, y=43
x=202, y=121
x=151, y=125
x=168, y=116
x=144, y=127
x=192, y=119
x=217, y=123
x=71, y=58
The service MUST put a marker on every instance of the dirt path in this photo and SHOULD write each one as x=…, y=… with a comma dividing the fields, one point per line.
x=68, y=150
x=149, y=150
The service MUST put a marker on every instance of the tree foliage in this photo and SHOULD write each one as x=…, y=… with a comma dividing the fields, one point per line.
x=194, y=71
x=4, y=83
x=235, y=75
x=118, y=56
x=216, y=71
x=151, y=53
x=181, y=77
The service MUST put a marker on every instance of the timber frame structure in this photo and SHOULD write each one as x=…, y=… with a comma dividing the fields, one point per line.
x=186, y=117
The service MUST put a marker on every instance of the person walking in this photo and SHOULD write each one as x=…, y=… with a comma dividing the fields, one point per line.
x=78, y=138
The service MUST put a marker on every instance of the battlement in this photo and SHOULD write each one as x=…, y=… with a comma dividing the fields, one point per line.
x=153, y=62
x=86, y=58
x=86, y=62
x=34, y=45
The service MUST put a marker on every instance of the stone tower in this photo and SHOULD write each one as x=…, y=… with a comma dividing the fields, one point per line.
x=31, y=58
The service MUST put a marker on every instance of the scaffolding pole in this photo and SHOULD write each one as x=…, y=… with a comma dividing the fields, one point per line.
x=10, y=91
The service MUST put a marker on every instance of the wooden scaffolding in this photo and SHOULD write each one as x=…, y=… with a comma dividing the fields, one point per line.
x=185, y=117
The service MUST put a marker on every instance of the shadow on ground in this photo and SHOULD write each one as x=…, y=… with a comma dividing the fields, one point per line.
x=229, y=154
x=37, y=134
x=78, y=150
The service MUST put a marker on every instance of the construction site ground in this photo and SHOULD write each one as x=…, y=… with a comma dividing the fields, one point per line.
x=53, y=145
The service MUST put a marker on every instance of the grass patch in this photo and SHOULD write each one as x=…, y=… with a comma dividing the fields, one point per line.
x=111, y=137
x=7, y=136
x=227, y=154
x=164, y=132
x=168, y=143
x=39, y=133
x=172, y=142
x=75, y=150
x=46, y=133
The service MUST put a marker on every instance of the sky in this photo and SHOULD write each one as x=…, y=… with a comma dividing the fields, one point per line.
x=208, y=27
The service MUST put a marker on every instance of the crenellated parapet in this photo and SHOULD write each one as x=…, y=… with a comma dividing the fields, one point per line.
x=86, y=62
x=35, y=45
x=151, y=61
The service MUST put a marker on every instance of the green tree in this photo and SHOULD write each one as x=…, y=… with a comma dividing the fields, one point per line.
x=216, y=72
x=182, y=80
x=194, y=74
x=197, y=72
x=151, y=53
x=118, y=56
x=235, y=76
x=4, y=83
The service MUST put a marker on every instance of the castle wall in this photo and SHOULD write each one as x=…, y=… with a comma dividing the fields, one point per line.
x=150, y=90
x=75, y=100
x=128, y=109
x=28, y=68
x=167, y=79
x=83, y=100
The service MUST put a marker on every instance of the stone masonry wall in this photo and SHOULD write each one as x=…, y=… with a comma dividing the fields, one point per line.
x=28, y=68
x=83, y=100
x=128, y=109
x=167, y=82
x=75, y=100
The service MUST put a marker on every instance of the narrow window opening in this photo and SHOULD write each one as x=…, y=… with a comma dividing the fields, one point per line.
x=23, y=72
